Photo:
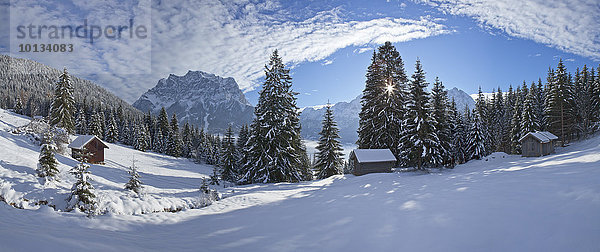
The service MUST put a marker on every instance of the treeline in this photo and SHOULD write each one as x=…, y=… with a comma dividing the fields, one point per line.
x=28, y=87
x=425, y=129
x=269, y=150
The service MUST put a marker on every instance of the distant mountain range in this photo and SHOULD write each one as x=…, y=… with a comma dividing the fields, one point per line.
x=214, y=102
x=461, y=99
x=200, y=98
x=346, y=115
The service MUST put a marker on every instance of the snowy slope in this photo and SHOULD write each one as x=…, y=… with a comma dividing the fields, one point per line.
x=502, y=203
x=171, y=183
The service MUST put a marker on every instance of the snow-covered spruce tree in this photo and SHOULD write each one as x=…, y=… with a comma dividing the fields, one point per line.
x=559, y=100
x=305, y=164
x=102, y=120
x=82, y=193
x=529, y=122
x=457, y=135
x=134, y=184
x=112, y=132
x=81, y=123
x=136, y=142
x=477, y=137
x=383, y=101
x=63, y=104
x=186, y=140
x=95, y=128
x=515, y=123
x=583, y=102
x=18, y=105
x=174, y=145
x=47, y=166
x=158, y=142
x=141, y=136
x=509, y=104
x=596, y=99
x=538, y=104
x=420, y=143
x=228, y=162
x=441, y=121
x=275, y=147
x=215, y=178
x=126, y=136
x=329, y=156
x=242, y=147
x=163, y=123
x=498, y=121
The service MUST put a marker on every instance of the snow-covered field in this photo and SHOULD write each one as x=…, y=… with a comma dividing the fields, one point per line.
x=502, y=203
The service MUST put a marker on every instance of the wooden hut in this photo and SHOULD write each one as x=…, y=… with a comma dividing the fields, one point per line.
x=90, y=147
x=365, y=161
x=536, y=144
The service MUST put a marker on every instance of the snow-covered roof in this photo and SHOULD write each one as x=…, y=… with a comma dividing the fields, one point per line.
x=374, y=155
x=542, y=136
x=82, y=140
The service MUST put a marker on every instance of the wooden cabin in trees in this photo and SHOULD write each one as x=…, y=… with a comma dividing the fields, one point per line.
x=536, y=144
x=90, y=147
x=365, y=161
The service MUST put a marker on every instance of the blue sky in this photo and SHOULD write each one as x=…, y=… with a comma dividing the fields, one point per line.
x=328, y=44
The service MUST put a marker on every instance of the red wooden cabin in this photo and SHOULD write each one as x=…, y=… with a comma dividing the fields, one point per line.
x=90, y=147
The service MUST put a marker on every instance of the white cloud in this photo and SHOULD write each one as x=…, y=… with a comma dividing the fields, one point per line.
x=230, y=38
x=569, y=25
x=364, y=49
x=235, y=39
x=327, y=62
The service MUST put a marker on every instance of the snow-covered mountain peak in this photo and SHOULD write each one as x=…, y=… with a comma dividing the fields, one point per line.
x=201, y=98
x=461, y=98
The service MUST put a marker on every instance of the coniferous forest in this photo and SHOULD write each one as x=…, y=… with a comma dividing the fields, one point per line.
x=415, y=120
x=424, y=129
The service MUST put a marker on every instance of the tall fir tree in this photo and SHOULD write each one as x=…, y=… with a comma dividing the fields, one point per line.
x=228, y=162
x=275, y=147
x=81, y=123
x=529, y=122
x=175, y=143
x=163, y=122
x=242, y=145
x=515, y=123
x=596, y=99
x=63, y=104
x=158, y=142
x=583, y=102
x=18, y=105
x=458, y=134
x=95, y=127
x=559, y=98
x=112, y=131
x=476, y=138
x=82, y=195
x=538, y=104
x=47, y=166
x=420, y=144
x=329, y=156
x=383, y=101
x=440, y=104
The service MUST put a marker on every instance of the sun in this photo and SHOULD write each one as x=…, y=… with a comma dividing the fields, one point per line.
x=389, y=88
